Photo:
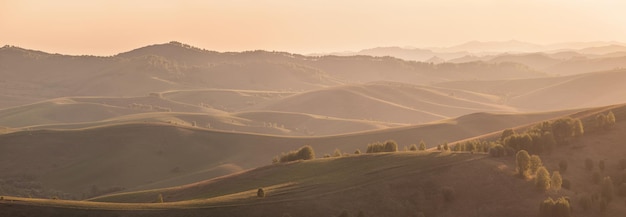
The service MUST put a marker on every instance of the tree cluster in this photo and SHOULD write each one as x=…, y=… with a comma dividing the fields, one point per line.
x=543, y=137
x=605, y=122
x=388, y=146
x=555, y=208
x=304, y=153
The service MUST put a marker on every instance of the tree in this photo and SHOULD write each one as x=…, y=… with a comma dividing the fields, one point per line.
x=413, y=147
x=542, y=180
x=337, y=153
x=357, y=151
x=601, y=121
x=438, y=147
x=519, y=142
x=522, y=160
x=446, y=147
x=391, y=146
x=607, y=190
x=565, y=128
x=422, y=146
x=304, y=153
x=159, y=198
x=448, y=193
x=557, y=180
x=535, y=163
x=260, y=193
x=555, y=208
x=601, y=165
x=506, y=133
x=610, y=119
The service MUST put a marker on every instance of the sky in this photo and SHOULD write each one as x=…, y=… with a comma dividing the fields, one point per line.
x=108, y=27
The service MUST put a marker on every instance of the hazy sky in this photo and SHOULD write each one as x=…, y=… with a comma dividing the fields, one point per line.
x=106, y=27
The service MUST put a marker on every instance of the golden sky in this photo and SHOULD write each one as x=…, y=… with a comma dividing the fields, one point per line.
x=107, y=27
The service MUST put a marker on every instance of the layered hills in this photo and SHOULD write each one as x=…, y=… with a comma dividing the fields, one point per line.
x=201, y=128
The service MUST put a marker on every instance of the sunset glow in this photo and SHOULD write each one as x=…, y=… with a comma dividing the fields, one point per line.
x=109, y=27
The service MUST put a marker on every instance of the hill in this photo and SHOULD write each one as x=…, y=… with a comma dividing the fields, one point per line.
x=176, y=66
x=399, y=184
x=388, y=102
x=575, y=91
x=73, y=161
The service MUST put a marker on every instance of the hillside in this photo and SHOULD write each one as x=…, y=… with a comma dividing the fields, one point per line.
x=405, y=183
x=388, y=102
x=153, y=152
x=575, y=91
x=176, y=66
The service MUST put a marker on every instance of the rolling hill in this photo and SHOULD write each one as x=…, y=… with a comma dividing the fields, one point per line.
x=73, y=161
x=400, y=184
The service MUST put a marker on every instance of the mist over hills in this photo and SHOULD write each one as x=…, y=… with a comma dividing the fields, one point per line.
x=172, y=114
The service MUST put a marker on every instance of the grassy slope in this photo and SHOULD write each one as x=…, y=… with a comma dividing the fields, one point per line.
x=149, y=153
x=385, y=184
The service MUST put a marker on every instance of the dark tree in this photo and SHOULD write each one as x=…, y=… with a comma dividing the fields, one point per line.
x=260, y=193
x=601, y=165
x=522, y=160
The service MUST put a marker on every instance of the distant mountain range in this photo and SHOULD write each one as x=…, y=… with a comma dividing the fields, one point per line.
x=480, y=49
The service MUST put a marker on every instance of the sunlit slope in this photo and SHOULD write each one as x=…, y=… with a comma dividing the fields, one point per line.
x=139, y=154
x=388, y=102
x=576, y=91
x=84, y=110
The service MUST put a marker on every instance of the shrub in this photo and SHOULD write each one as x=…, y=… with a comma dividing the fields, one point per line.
x=260, y=193
x=159, y=198
x=563, y=165
x=522, y=160
x=413, y=147
x=448, y=194
x=542, y=180
x=357, y=151
x=438, y=147
x=557, y=180
x=589, y=164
